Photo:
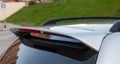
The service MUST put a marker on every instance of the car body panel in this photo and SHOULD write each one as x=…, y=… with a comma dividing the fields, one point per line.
x=93, y=27
x=109, y=52
x=91, y=34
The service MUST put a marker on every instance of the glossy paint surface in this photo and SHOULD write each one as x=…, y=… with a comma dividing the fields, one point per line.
x=110, y=50
x=92, y=35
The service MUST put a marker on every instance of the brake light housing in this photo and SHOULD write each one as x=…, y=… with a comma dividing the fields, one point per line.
x=35, y=33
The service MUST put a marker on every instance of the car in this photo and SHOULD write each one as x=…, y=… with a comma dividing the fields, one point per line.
x=66, y=41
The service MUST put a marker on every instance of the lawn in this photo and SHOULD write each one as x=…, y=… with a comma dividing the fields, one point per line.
x=36, y=14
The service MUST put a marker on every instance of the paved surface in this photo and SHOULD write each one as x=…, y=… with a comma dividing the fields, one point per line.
x=6, y=37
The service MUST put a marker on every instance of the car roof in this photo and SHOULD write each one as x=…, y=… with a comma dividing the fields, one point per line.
x=89, y=27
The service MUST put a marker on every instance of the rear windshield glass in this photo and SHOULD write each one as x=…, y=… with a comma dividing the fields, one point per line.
x=28, y=55
x=65, y=49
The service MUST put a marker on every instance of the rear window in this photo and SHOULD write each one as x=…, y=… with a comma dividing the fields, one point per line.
x=28, y=55
x=66, y=49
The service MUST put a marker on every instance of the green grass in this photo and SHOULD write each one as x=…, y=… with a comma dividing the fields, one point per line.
x=37, y=14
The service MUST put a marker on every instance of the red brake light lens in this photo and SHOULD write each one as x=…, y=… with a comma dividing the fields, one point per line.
x=29, y=31
x=35, y=33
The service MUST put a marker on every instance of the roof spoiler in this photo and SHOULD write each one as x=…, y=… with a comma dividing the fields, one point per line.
x=23, y=30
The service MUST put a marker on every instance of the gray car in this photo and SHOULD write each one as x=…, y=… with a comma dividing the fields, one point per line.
x=69, y=43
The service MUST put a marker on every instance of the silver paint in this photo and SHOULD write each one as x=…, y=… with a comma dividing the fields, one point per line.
x=109, y=52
